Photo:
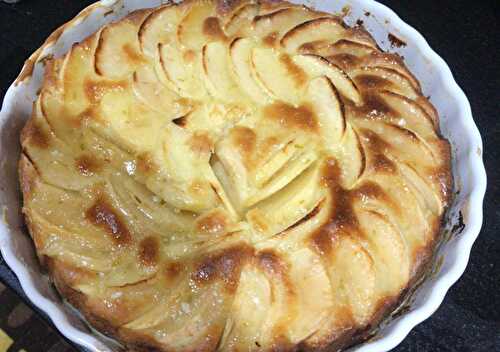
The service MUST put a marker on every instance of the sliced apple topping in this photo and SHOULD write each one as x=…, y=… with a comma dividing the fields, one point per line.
x=183, y=69
x=390, y=61
x=388, y=250
x=329, y=110
x=239, y=23
x=316, y=66
x=351, y=157
x=181, y=177
x=218, y=75
x=325, y=28
x=288, y=206
x=118, y=53
x=249, y=310
x=279, y=76
x=241, y=59
x=272, y=26
x=384, y=78
x=160, y=27
x=199, y=26
x=313, y=306
x=151, y=92
x=410, y=115
x=353, y=278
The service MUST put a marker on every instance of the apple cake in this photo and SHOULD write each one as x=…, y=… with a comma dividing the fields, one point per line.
x=234, y=176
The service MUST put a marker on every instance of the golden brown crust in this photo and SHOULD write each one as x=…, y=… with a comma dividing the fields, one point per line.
x=233, y=175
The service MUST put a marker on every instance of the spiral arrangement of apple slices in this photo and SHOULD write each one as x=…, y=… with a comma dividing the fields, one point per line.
x=233, y=176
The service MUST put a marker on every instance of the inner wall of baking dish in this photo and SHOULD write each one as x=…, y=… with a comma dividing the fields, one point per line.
x=19, y=99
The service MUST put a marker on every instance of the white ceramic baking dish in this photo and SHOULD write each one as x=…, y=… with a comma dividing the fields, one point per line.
x=463, y=222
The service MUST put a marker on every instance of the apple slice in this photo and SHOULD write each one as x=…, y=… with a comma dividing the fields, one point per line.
x=351, y=157
x=183, y=170
x=325, y=28
x=184, y=70
x=76, y=70
x=156, y=96
x=391, y=61
x=250, y=308
x=301, y=161
x=316, y=66
x=329, y=110
x=422, y=189
x=239, y=23
x=134, y=127
x=198, y=26
x=286, y=207
x=70, y=247
x=272, y=26
x=352, y=276
x=241, y=51
x=376, y=77
x=388, y=250
x=341, y=48
x=278, y=75
x=218, y=75
x=118, y=53
x=314, y=294
x=160, y=27
x=385, y=195
x=56, y=162
x=398, y=142
x=410, y=115
x=149, y=211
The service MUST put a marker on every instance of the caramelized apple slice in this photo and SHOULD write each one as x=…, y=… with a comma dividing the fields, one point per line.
x=218, y=76
x=327, y=28
x=160, y=27
x=430, y=197
x=183, y=69
x=272, y=26
x=329, y=110
x=198, y=26
x=289, y=205
x=385, y=194
x=399, y=142
x=133, y=126
x=76, y=71
x=181, y=170
x=59, y=167
x=149, y=211
x=278, y=75
x=314, y=294
x=316, y=66
x=411, y=115
x=390, y=61
x=377, y=77
x=300, y=162
x=389, y=252
x=149, y=90
x=239, y=23
x=353, y=276
x=118, y=53
x=250, y=308
x=69, y=246
x=241, y=52
x=351, y=157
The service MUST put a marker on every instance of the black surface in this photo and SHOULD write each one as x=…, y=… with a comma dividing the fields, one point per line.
x=466, y=34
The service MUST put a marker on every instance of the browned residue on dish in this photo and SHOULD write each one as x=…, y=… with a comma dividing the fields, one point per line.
x=395, y=41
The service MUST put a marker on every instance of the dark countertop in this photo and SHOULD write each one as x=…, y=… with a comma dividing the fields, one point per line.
x=466, y=34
